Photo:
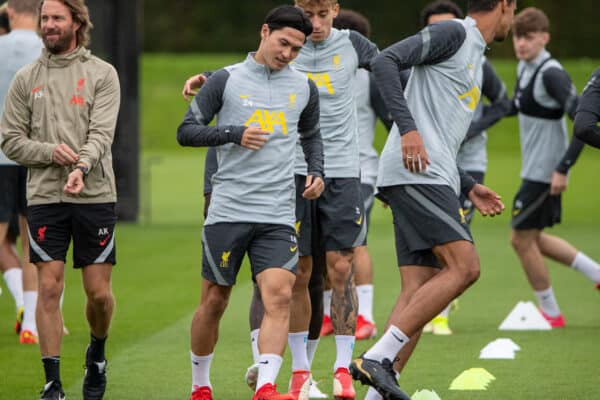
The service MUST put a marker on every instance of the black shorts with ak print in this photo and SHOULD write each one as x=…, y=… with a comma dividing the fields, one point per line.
x=91, y=226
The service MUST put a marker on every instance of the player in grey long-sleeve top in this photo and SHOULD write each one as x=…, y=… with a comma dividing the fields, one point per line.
x=588, y=113
x=262, y=107
x=419, y=178
x=472, y=155
x=543, y=94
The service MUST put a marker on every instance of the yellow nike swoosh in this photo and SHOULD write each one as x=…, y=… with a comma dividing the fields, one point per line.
x=359, y=220
x=293, y=249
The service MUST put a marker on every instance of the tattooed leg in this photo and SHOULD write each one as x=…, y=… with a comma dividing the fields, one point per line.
x=344, y=304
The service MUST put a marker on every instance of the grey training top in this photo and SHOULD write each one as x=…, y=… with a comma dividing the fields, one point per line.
x=369, y=107
x=439, y=101
x=17, y=49
x=544, y=141
x=255, y=186
x=472, y=155
x=332, y=65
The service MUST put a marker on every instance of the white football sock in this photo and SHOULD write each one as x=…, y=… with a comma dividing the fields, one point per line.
x=547, y=302
x=344, y=346
x=392, y=341
x=297, y=342
x=446, y=311
x=30, y=300
x=373, y=394
x=201, y=370
x=268, y=369
x=254, y=344
x=327, y=302
x=365, y=301
x=311, y=349
x=14, y=282
x=587, y=266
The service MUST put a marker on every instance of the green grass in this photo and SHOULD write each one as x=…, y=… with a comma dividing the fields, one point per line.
x=157, y=285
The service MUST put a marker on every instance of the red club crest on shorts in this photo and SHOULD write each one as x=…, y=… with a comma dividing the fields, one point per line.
x=41, y=233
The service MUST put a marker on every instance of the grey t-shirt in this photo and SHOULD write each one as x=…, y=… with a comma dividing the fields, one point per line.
x=439, y=100
x=472, y=155
x=255, y=186
x=369, y=107
x=332, y=65
x=17, y=49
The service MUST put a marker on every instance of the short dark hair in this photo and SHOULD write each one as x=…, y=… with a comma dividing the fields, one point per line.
x=350, y=19
x=484, y=5
x=4, y=25
x=289, y=17
x=530, y=20
x=440, y=7
x=29, y=7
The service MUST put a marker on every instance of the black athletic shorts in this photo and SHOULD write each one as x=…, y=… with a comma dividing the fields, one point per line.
x=225, y=244
x=534, y=208
x=13, y=199
x=368, y=196
x=425, y=216
x=91, y=226
x=339, y=213
x=467, y=205
x=13, y=229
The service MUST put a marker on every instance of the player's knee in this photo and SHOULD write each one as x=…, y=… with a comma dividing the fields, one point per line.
x=518, y=242
x=101, y=298
x=473, y=271
x=215, y=304
x=340, y=270
x=49, y=291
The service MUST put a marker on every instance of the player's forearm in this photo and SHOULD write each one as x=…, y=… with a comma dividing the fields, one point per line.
x=586, y=128
x=312, y=146
x=194, y=134
x=571, y=156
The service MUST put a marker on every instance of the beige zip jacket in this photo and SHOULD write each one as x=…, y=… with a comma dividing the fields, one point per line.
x=72, y=99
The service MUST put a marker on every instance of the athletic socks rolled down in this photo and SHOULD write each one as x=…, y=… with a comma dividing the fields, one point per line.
x=268, y=369
x=547, y=302
x=587, y=266
x=392, y=341
x=201, y=370
x=297, y=342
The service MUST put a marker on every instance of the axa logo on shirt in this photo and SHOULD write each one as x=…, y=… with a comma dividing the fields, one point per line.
x=471, y=98
x=267, y=120
x=322, y=80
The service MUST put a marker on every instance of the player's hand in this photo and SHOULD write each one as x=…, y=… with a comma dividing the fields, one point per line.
x=254, y=138
x=190, y=89
x=64, y=155
x=414, y=156
x=75, y=183
x=313, y=188
x=559, y=183
x=488, y=202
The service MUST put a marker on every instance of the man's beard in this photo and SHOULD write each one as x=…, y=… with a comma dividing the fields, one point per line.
x=60, y=45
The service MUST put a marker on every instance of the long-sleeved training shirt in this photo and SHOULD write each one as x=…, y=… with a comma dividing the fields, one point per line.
x=369, y=107
x=588, y=113
x=439, y=100
x=332, y=65
x=472, y=155
x=255, y=186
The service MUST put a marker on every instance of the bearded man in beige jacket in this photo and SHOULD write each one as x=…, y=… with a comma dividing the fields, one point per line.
x=59, y=121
